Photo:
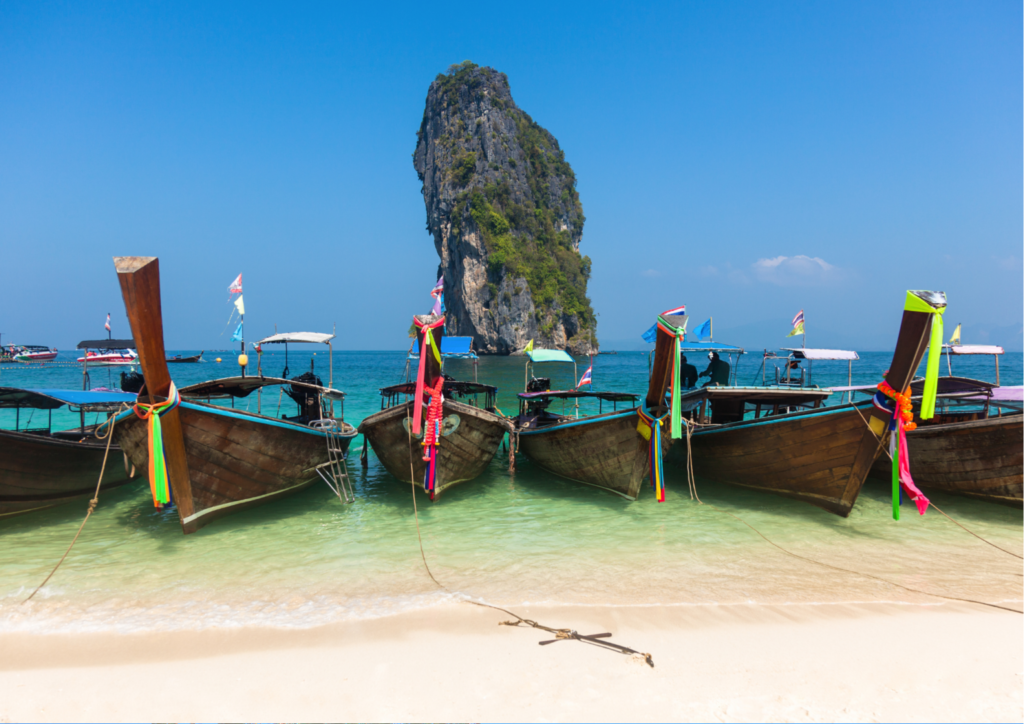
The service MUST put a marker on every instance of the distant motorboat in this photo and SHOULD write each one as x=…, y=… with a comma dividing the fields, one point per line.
x=34, y=353
x=110, y=358
x=178, y=358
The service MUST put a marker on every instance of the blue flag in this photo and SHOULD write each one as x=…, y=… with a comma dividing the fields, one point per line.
x=703, y=330
x=651, y=334
x=237, y=336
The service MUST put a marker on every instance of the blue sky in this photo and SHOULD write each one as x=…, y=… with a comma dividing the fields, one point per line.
x=745, y=159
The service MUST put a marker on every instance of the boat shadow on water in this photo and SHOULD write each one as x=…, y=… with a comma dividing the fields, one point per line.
x=70, y=513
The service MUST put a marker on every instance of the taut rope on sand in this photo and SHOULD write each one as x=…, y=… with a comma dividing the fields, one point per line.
x=93, y=502
x=560, y=633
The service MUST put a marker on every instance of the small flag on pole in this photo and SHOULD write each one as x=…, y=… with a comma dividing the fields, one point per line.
x=528, y=347
x=587, y=378
x=677, y=310
x=703, y=331
x=651, y=334
x=107, y=325
x=237, y=336
x=438, y=294
x=798, y=324
x=240, y=305
x=955, y=339
x=236, y=286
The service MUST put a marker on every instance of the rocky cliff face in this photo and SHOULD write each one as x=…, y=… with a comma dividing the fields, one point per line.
x=507, y=221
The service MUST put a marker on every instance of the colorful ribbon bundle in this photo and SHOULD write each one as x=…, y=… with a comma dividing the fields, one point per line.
x=432, y=435
x=931, y=379
x=649, y=428
x=679, y=334
x=899, y=406
x=158, y=484
x=425, y=329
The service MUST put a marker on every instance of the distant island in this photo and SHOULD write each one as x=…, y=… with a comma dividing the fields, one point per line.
x=506, y=218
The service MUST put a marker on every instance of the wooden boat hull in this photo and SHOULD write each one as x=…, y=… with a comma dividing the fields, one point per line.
x=236, y=459
x=819, y=456
x=38, y=471
x=980, y=458
x=464, y=453
x=603, y=450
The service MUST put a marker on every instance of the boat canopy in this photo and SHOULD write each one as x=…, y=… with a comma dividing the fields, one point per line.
x=816, y=354
x=51, y=399
x=456, y=387
x=549, y=355
x=245, y=386
x=451, y=348
x=302, y=337
x=973, y=348
x=709, y=347
x=107, y=344
x=571, y=394
x=1009, y=394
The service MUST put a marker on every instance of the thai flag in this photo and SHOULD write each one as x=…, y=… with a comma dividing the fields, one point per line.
x=438, y=294
x=107, y=325
x=677, y=310
x=236, y=286
x=799, y=318
x=587, y=378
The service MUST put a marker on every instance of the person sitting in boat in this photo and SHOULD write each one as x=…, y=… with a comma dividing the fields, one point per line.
x=688, y=372
x=718, y=371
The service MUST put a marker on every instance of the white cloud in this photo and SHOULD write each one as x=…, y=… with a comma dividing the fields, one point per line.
x=1011, y=263
x=709, y=271
x=796, y=270
x=650, y=273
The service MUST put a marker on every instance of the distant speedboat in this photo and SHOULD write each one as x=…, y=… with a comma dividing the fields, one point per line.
x=110, y=357
x=35, y=353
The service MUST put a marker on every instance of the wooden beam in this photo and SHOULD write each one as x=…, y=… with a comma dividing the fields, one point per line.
x=140, y=287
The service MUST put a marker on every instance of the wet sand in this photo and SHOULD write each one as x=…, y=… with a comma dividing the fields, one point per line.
x=846, y=662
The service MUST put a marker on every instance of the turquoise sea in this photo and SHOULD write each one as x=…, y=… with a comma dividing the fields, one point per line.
x=506, y=538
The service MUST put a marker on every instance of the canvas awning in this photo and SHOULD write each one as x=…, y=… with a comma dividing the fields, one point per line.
x=107, y=344
x=51, y=399
x=973, y=348
x=816, y=354
x=245, y=386
x=300, y=337
x=571, y=394
x=550, y=355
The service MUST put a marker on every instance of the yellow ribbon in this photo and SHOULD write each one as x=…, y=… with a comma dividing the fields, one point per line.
x=914, y=303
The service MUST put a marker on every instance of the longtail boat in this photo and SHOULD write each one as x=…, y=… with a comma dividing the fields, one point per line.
x=210, y=460
x=178, y=359
x=602, y=450
x=41, y=467
x=422, y=435
x=780, y=439
x=973, y=446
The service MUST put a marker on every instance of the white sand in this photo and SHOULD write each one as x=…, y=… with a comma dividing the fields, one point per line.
x=842, y=662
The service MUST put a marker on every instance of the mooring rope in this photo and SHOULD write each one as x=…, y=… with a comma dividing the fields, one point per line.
x=693, y=486
x=560, y=633
x=939, y=510
x=92, y=502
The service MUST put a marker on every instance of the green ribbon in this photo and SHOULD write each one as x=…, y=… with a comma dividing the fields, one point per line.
x=931, y=379
x=680, y=334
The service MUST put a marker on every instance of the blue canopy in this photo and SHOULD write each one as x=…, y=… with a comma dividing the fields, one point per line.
x=49, y=399
x=550, y=355
x=457, y=347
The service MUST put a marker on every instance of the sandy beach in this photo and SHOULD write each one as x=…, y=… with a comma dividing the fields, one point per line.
x=842, y=662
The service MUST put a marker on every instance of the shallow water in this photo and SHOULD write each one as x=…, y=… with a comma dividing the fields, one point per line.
x=508, y=538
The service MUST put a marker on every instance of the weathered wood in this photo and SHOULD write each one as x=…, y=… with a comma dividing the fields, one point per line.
x=39, y=471
x=464, y=453
x=236, y=459
x=140, y=286
x=603, y=450
x=980, y=458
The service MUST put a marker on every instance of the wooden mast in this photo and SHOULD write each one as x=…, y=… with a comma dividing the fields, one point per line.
x=911, y=344
x=140, y=287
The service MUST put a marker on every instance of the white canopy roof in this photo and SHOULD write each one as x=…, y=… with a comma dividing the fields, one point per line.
x=812, y=354
x=974, y=348
x=308, y=337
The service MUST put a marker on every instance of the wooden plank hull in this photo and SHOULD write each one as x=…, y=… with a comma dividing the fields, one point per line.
x=981, y=458
x=38, y=471
x=464, y=452
x=235, y=459
x=821, y=456
x=604, y=451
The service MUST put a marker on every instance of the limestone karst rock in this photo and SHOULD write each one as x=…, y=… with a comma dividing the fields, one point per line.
x=506, y=219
